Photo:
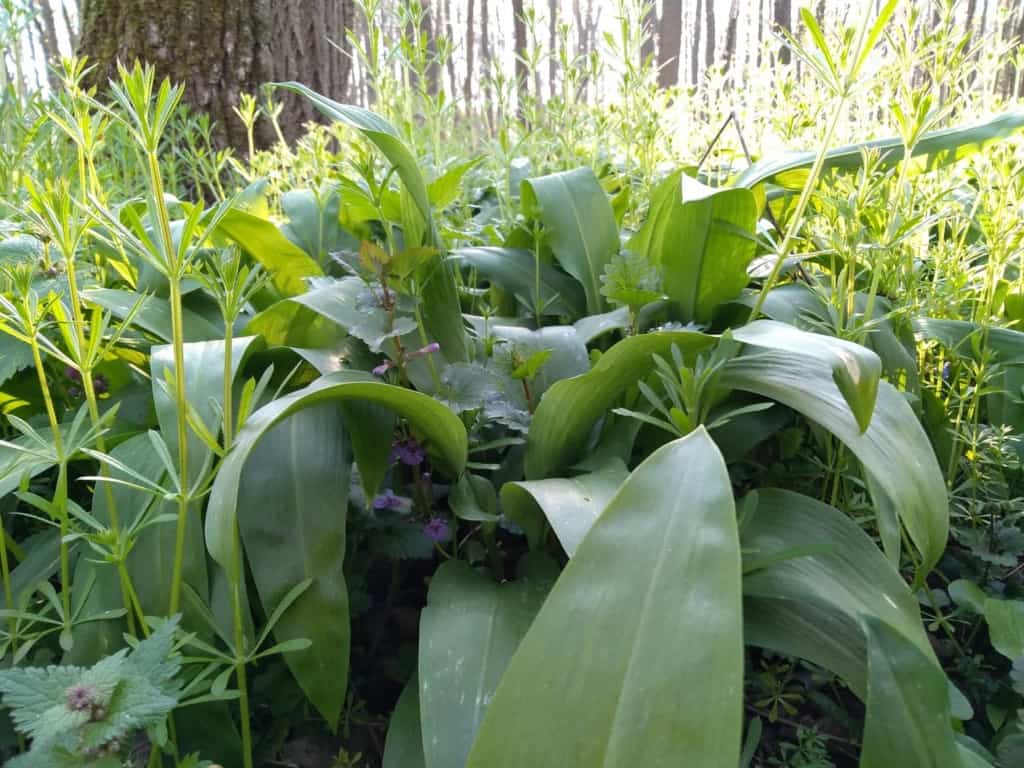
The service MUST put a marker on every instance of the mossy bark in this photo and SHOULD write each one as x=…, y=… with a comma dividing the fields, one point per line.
x=220, y=49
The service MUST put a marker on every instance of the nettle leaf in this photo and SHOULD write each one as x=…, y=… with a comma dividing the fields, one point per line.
x=69, y=710
x=357, y=307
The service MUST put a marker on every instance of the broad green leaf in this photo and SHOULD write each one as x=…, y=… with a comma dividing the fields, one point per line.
x=440, y=430
x=969, y=339
x=516, y=270
x=1005, y=619
x=441, y=313
x=286, y=263
x=855, y=369
x=894, y=449
x=444, y=190
x=696, y=235
x=313, y=222
x=569, y=410
x=636, y=657
x=568, y=354
x=15, y=356
x=801, y=305
x=294, y=493
x=403, y=746
x=934, y=150
x=153, y=316
x=384, y=136
x=204, y=390
x=570, y=505
x=908, y=719
x=821, y=575
x=579, y=225
x=468, y=632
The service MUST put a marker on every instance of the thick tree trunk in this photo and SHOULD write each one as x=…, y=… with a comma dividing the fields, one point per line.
x=670, y=34
x=220, y=50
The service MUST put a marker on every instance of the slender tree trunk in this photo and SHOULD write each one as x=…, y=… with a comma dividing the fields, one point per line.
x=467, y=84
x=221, y=50
x=783, y=17
x=695, y=49
x=709, y=45
x=648, y=25
x=670, y=34
x=485, y=58
x=47, y=36
x=519, y=37
x=449, y=60
x=552, y=47
x=730, y=35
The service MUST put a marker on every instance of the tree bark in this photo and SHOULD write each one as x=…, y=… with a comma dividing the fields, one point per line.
x=485, y=59
x=783, y=17
x=220, y=50
x=695, y=50
x=48, y=36
x=730, y=35
x=552, y=46
x=670, y=34
x=467, y=84
x=709, y=45
x=648, y=25
x=519, y=42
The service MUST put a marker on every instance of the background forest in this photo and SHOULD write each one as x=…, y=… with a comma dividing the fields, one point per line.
x=486, y=384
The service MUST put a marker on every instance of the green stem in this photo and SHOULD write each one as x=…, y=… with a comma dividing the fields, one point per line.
x=174, y=274
x=60, y=499
x=801, y=206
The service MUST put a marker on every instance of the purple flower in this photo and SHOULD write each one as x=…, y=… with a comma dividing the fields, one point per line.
x=80, y=697
x=430, y=349
x=947, y=370
x=437, y=529
x=99, y=384
x=381, y=369
x=388, y=500
x=74, y=392
x=409, y=452
x=73, y=373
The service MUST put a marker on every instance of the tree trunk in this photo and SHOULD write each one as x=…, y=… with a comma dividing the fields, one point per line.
x=552, y=47
x=670, y=34
x=519, y=37
x=695, y=50
x=783, y=17
x=485, y=59
x=709, y=45
x=730, y=35
x=48, y=36
x=648, y=25
x=221, y=50
x=467, y=84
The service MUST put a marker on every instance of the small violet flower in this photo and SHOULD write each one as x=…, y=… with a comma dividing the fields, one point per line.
x=381, y=369
x=430, y=349
x=437, y=529
x=388, y=501
x=408, y=451
x=80, y=697
x=99, y=384
x=73, y=373
x=947, y=370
